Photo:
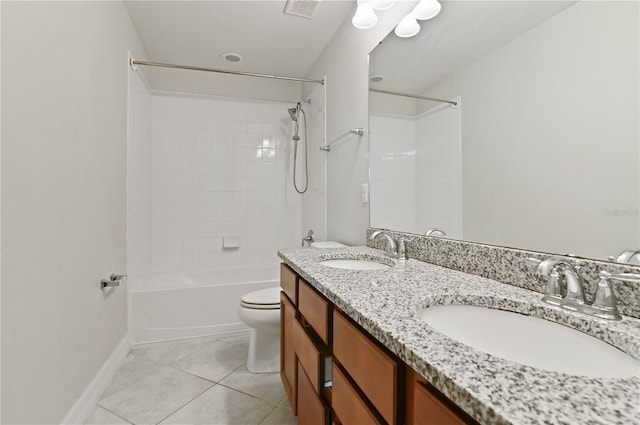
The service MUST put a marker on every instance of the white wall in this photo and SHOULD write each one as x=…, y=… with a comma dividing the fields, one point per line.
x=438, y=188
x=195, y=82
x=345, y=64
x=64, y=114
x=138, y=178
x=392, y=179
x=528, y=116
x=221, y=167
x=314, y=201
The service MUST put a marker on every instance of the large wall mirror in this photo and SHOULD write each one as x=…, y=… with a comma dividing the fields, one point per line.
x=542, y=150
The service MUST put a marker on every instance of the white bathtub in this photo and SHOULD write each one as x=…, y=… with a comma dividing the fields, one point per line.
x=167, y=306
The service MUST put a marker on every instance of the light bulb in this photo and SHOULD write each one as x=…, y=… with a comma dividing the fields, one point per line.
x=408, y=27
x=365, y=17
x=426, y=9
x=382, y=4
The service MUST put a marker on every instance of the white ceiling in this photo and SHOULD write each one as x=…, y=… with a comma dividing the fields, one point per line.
x=463, y=32
x=197, y=33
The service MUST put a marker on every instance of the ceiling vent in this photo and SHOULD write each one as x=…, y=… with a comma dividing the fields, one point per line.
x=231, y=57
x=301, y=8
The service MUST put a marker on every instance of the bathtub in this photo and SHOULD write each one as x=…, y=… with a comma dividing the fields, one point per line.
x=166, y=306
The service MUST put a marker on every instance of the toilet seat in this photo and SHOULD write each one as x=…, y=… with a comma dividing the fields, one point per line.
x=264, y=299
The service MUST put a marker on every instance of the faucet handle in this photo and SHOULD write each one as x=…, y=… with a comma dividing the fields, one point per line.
x=402, y=248
x=553, y=294
x=604, y=299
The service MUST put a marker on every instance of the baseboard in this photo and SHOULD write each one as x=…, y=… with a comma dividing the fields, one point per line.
x=87, y=402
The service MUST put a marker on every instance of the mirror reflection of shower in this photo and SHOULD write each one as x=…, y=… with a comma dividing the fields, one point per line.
x=295, y=114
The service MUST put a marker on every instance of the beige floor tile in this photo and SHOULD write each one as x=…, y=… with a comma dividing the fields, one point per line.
x=280, y=416
x=132, y=370
x=101, y=416
x=213, y=361
x=172, y=351
x=154, y=395
x=266, y=386
x=222, y=406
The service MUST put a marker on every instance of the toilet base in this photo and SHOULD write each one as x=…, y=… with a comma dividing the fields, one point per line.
x=264, y=352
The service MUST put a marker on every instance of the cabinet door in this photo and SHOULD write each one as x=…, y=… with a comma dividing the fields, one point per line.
x=312, y=410
x=375, y=373
x=347, y=404
x=288, y=362
x=424, y=407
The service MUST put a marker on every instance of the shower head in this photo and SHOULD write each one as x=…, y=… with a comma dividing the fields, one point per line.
x=293, y=113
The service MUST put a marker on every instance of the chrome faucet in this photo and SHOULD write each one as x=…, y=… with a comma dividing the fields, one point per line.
x=394, y=249
x=435, y=232
x=309, y=238
x=570, y=295
x=558, y=271
x=626, y=256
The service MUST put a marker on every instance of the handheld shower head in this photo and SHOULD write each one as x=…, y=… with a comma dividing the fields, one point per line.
x=293, y=113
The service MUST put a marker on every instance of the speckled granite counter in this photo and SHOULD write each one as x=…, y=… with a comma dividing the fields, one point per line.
x=490, y=389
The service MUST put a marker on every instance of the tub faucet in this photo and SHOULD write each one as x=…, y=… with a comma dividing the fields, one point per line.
x=309, y=238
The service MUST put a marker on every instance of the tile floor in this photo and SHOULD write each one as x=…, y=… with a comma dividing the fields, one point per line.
x=193, y=381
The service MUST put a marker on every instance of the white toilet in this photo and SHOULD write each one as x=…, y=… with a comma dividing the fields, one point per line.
x=261, y=311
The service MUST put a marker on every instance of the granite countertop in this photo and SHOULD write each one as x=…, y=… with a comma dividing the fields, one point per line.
x=488, y=388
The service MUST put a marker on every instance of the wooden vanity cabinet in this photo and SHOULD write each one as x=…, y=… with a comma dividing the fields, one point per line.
x=369, y=384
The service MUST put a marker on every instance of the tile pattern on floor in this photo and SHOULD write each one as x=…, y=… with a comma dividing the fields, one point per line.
x=193, y=381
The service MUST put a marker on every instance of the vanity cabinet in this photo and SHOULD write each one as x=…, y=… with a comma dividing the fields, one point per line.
x=335, y=373
x=288, y=361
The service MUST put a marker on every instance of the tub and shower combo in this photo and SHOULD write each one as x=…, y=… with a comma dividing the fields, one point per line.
x=167, y=306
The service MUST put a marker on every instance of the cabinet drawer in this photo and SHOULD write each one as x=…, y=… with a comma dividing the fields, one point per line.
x=315, y=309
x=347, y=404
x=375, y=373
x=311, y=409
x=311, y=356
x=425, y=408
x=288, y=282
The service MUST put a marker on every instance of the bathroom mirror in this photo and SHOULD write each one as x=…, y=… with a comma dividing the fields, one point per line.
x=542, y=151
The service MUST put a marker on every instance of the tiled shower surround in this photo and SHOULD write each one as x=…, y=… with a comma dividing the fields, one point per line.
x=220, y=168
x=508, y=265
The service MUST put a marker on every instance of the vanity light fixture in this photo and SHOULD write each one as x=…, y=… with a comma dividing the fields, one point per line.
x=426, y=9
x=408, y=27
x=382, y=4
x=365, y=17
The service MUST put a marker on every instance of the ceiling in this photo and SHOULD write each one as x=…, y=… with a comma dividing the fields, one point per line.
x=463, y=32
x=196, y=33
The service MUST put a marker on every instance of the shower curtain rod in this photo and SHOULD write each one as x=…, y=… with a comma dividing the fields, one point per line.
x=134, y=63
x=433, y=99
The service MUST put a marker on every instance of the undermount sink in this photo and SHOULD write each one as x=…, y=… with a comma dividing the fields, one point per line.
x=530, y=341
x=355, y=264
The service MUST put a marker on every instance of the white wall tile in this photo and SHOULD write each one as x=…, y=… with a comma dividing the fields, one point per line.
x=214, y=174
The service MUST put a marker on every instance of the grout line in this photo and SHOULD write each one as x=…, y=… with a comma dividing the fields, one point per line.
x=250, y=395
x=198, y=395
x=114, y=414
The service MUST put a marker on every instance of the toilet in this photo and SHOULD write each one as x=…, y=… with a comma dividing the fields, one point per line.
x=260, y=310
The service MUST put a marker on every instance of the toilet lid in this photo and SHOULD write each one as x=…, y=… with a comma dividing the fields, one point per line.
x=269, y=298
